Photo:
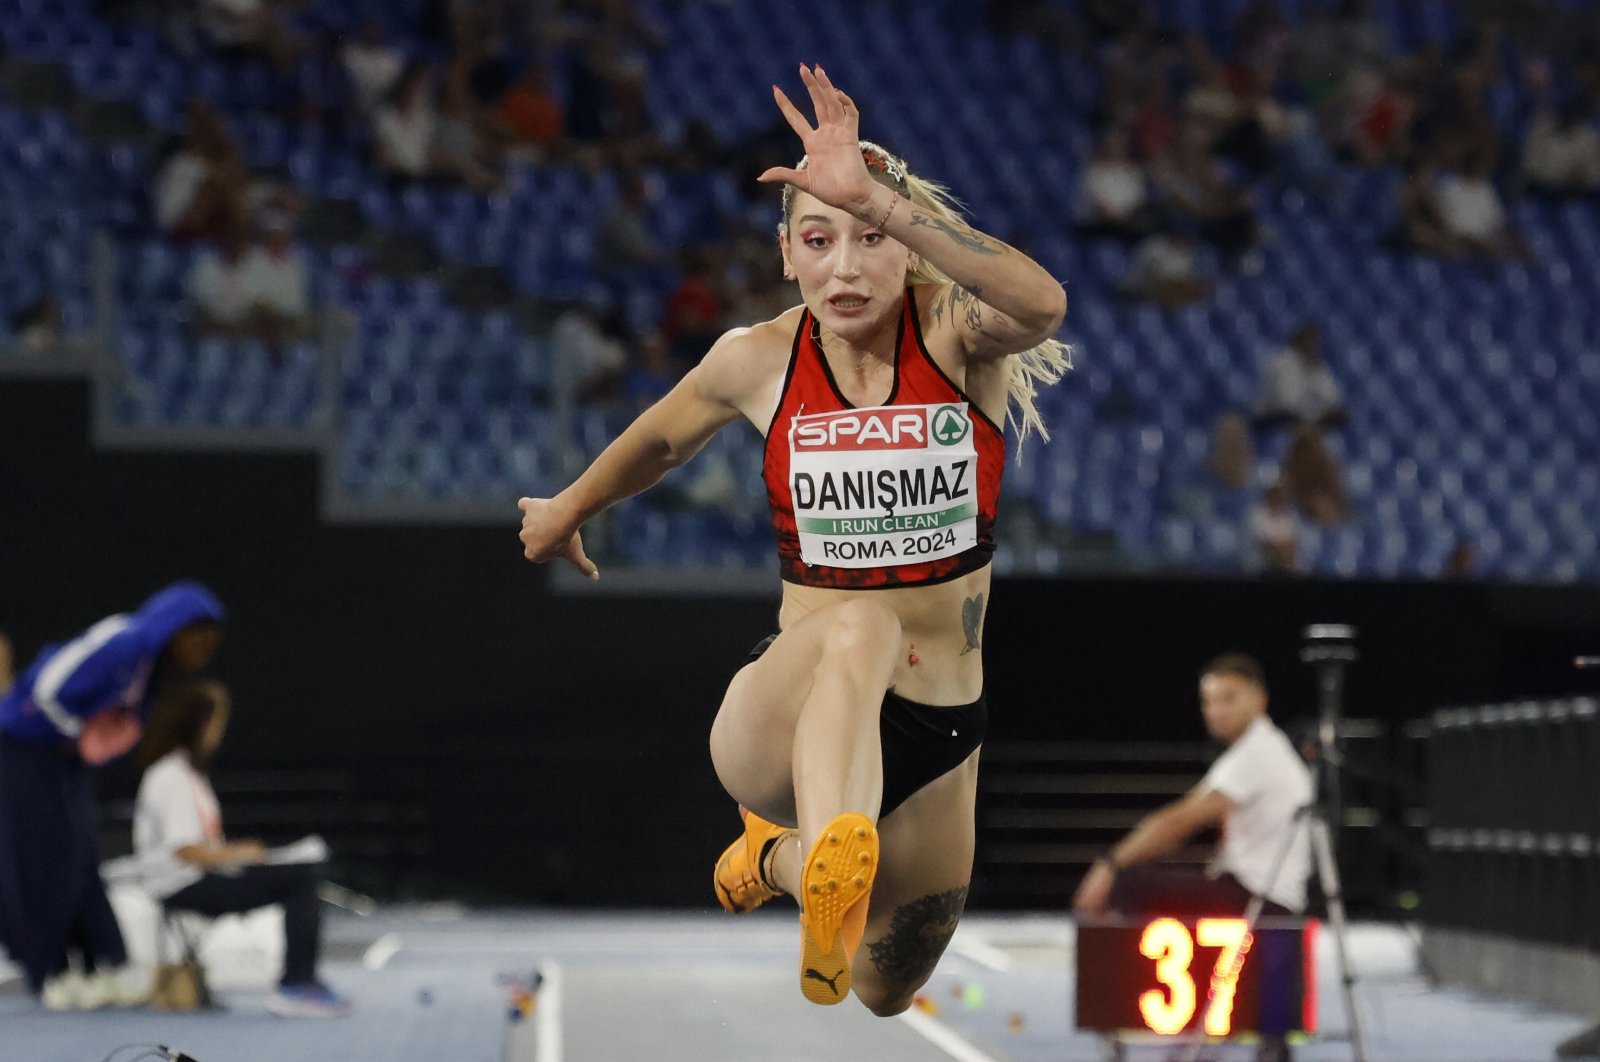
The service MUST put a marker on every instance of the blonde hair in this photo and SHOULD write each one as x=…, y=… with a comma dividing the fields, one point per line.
x=1040, y=365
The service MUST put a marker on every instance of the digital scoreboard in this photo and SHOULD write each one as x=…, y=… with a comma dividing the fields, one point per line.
x=1173, y=975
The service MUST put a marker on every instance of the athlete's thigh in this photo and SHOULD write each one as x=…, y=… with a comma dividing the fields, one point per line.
x=924, y=870
x=752, y=739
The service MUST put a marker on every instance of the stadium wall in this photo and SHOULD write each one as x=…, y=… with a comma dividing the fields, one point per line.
x=530, y=732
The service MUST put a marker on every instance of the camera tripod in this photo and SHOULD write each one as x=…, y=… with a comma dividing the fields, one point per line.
x=1330, y=648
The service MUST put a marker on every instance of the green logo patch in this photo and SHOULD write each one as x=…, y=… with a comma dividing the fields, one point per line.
x=950, y=426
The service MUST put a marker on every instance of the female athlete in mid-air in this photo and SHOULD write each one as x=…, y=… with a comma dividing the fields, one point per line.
x=852, y=735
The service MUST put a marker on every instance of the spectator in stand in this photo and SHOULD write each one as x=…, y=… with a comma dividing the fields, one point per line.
x=626, y=242
x=1211, y=106
x=1378, y=111
x=1313, y=479
x=1166, y=271
x=461, y=146
x=1362, y=39
x=1196, y=188
x=1314, y=62
x=651, y=375
x=275, y=282
x=1473, y=213
x=1333, y=46
x=1297, y=386
x=1262, y=35
x=1422, y=227
x=200, y=187
x=252, y=27
x=218, y=287
x=533, y=112
x=254, y=292
x=1275, y=534
x=38, y=328
x=1154, y=128
x=1233, y=454
x=693, y=315
x=373, y=65
x=406, y=126
x=1114, y=200
x=1462, y=563
x=588, y=357
x=1561, y=156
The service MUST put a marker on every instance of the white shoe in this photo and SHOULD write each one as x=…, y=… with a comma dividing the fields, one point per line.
x=120, y=986
x=63, y=992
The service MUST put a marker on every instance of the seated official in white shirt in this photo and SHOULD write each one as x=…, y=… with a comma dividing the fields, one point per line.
x=189, y=865
x=1254, y=791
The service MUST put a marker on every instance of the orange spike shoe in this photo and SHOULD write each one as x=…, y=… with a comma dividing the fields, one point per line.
x=739, y=881
x=835, y=887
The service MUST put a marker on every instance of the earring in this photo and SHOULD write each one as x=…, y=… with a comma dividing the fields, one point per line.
x=788, y=274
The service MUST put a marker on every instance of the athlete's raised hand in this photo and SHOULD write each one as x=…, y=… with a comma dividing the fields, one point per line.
x=547, y=534
x=835, y=172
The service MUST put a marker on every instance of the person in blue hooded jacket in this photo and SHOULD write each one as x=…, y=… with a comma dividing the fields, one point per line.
x=82, y=703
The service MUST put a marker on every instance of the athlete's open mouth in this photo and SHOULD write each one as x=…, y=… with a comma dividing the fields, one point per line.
x=847, y=302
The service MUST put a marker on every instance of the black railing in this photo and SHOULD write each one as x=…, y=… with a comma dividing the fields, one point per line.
x=1514, y=845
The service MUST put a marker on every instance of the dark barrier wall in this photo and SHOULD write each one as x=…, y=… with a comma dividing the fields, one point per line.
x=543, y=748
x=1514, y=843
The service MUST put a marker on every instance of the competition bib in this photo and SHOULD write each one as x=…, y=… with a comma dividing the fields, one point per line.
x=884, y=485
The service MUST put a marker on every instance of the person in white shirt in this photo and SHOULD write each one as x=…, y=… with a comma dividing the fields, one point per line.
x=374, y=65
x=1114, y=199
x=275, y=281
x=1561, y=155
x=1274, y=546
x=405, y=126
x=219, y=287
x=261, y=292
x=1254, y=791
x=187, y=862
x=1474, y=213
x=1166, y=271
x=1297, y=386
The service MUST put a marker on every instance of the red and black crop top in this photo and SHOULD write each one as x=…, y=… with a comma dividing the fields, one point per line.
x=902, y=494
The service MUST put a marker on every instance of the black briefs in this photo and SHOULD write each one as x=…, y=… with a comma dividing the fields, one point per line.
x=921, y=742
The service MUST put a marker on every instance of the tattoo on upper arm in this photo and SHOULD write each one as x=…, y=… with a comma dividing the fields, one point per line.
x=971, y=308
x=965, y=237
x=918, y=933
x=971, y=621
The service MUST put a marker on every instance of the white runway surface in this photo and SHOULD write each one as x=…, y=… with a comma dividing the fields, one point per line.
x=706, y=987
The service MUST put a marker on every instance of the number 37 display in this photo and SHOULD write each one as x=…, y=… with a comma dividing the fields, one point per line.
x=1169, y=976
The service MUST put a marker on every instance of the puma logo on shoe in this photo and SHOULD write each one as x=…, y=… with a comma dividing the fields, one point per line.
x=831, y=982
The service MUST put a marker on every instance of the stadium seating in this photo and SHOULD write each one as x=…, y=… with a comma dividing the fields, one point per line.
x=1472, y=392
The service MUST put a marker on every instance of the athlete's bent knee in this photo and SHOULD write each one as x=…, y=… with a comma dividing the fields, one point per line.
x=862, y=630
x=886, y=1000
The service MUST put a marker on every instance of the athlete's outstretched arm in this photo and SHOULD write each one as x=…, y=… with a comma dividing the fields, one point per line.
x=662, y=438
x=1002, y=301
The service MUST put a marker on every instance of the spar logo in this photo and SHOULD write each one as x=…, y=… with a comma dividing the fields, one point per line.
x=950, y=425
x=879, y=429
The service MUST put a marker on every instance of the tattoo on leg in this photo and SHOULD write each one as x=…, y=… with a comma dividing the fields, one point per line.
x=918, y=933
x=971, y=620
